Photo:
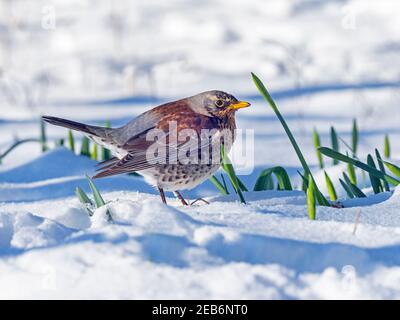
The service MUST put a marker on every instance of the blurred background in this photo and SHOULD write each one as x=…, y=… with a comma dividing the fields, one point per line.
x=325, y=61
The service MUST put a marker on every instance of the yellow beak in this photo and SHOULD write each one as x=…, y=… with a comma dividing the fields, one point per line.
x=239, y=105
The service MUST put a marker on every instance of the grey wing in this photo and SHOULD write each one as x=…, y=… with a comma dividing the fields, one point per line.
x=136, y=127
x=136, y=159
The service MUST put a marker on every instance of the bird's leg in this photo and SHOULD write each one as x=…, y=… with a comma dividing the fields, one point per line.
x=162, y=195
x=179, y=196
x=199, y=199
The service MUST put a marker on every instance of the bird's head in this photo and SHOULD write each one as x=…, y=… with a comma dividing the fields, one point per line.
x=217, y=103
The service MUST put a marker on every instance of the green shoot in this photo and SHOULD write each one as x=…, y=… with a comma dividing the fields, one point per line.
x=317, y=144
x=311, y=203
x=60, y=142
x=222, y=188
x=382, y=168
x=307, y=172
x=224, y=183
x=43, y=138
x=354, y=137
x=263, y=181
x=393, y=168
x=375, y=182
x=330, y=187
x=227, y=166
x=85, y=147
x=354, y=189
x=335, y=143
x=85, y=200
x=386, y=147
x=71, y=141
x=98, y=199
x=347, y=189
x=105, y=153
x=94, y=154
x=341, y=157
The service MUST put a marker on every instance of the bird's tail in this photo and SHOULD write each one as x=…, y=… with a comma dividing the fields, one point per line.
x=91, y=130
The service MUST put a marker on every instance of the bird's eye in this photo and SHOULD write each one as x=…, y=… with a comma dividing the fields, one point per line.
x=219, y=103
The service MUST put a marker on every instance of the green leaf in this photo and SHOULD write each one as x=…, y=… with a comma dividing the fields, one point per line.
x=311, y=203
x=386, y=147
x=84, y=199
x=341, y=157
x=264, y=179
x=354, y=137
x=218, y=185
x=382, y=168
x=347, y=189
x=393, y=168
x=264, y=92
x=82, y=196
x=98, y=199
x=105, y=153
x=71, y=141
x=85, y=147
x=352, y=173
x=375, y=182
x=94, y=154
x=60, y=142
x=227, y=166
x=335, y=143
x=43, y=138
x=330, y=187
x=304, y=184
x=354, y=189
x=317, y=144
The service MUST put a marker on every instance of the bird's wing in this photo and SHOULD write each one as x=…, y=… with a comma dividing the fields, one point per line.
x=138, y=146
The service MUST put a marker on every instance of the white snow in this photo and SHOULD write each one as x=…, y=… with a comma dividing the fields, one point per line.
x=325, y=62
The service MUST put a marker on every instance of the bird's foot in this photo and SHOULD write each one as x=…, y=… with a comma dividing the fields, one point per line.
x=199, y=199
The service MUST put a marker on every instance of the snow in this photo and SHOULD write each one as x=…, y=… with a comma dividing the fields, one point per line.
x=325, y=62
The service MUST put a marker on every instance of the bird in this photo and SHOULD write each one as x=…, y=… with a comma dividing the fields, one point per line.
x=164, y=167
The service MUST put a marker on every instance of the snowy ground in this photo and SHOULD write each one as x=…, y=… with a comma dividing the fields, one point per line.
x=325, y=62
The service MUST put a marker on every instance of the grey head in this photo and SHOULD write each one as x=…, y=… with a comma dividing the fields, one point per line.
x=215, y=103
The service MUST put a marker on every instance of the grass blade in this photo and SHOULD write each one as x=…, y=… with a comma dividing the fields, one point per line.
x=393, y=168
x=341, y=157
x=227, y=166
x=311, y=204
x=375, y=182
x=43, y=138
x=85, y=147
x=354, y=137
x=352, y=173
x=82, y=196
x=264, y=92
x=71, y=141
x=224, y=183
x=386, y=147
x=330, y=187
x=304, y=180
x=219, y=185
x=347, y=189
x=317, y=144
x=60, y=142
x=354, y=189
x=105, y=153
x=334, y=143
x=264, y=179
x=84, y=199
x=382, y=168
x=94, y=154
x=98, y=199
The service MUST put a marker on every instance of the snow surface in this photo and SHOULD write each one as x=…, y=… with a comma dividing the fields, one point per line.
x=325, y=62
